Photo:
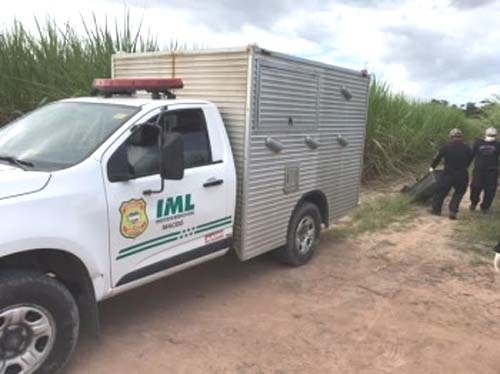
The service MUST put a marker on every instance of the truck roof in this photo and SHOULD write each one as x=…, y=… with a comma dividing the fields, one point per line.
x=135, y=101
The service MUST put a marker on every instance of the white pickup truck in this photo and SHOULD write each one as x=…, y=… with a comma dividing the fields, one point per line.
x=99, y=195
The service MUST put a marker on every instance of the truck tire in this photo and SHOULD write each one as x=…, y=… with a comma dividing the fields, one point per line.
x=302, y=236
x=39, y=323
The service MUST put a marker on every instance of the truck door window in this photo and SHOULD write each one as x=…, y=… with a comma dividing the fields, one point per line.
x=190, y=123
x=143, y=153
x=141, y=150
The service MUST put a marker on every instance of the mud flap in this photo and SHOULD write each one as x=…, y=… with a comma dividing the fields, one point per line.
x=89, y=311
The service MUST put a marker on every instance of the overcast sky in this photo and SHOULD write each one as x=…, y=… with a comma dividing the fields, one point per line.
x=444, y=49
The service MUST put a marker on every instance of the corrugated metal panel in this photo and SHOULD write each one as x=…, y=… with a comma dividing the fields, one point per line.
x=333, y=169
x=291, y=98
x=219, y=76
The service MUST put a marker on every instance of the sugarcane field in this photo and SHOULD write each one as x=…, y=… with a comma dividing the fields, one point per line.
x=273, y=187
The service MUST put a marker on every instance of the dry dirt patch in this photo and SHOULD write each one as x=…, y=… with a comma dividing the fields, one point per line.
x=386, y=302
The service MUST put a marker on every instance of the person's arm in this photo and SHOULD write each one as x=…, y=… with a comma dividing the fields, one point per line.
x=438, y=158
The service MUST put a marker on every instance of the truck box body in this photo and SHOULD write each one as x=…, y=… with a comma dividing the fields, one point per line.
x=295, y=126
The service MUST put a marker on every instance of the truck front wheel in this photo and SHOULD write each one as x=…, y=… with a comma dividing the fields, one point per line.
x=39, y=323
x=302, y=236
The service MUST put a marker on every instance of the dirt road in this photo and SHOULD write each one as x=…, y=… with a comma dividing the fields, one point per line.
x=391, y=302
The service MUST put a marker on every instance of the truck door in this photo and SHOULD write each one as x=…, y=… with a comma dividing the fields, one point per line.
x=152, y=234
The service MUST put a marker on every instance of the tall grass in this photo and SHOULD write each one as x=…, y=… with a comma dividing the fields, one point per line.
x=55, y=62
x=402, y=133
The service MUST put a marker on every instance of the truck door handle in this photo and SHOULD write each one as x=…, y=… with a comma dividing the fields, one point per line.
x=213, y=182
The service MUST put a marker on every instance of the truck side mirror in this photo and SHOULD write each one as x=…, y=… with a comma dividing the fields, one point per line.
x=171, y=159
x=172, y=156
x=145, y=135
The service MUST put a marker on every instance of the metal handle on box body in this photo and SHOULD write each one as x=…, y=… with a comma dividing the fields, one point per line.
x=311, y=143
x=342, y=141
x=274, y=145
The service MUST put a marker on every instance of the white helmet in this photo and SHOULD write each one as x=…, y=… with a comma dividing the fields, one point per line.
x=455, y=133
x=491, y=131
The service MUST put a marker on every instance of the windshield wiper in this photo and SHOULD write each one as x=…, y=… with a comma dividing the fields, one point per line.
x=17, y=162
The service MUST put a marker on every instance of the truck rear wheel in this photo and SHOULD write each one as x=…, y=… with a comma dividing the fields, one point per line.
x=302, y=237
x=39, y=323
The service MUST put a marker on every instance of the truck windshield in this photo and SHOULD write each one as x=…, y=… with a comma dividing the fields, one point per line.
x=62, y=134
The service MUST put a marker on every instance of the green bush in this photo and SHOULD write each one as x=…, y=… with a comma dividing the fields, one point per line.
x=490, y=113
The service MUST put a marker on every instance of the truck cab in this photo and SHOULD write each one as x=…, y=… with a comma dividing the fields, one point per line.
x=89, y=211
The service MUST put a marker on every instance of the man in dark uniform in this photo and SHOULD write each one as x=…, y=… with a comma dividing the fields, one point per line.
x=457, y=158
x=485, y=176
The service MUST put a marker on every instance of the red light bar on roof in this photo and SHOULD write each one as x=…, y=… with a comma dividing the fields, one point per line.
x=129, y=86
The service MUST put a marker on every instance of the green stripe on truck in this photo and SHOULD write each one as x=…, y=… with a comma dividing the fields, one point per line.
x=152, y=243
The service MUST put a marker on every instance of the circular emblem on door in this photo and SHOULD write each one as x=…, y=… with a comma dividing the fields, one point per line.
x=134, y=218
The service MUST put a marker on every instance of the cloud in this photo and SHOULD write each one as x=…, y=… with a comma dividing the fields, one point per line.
x=438, y=57
x=468, y=4
x=418, y=47
x=444, y=49
x=447, y=52
x=230, y=15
